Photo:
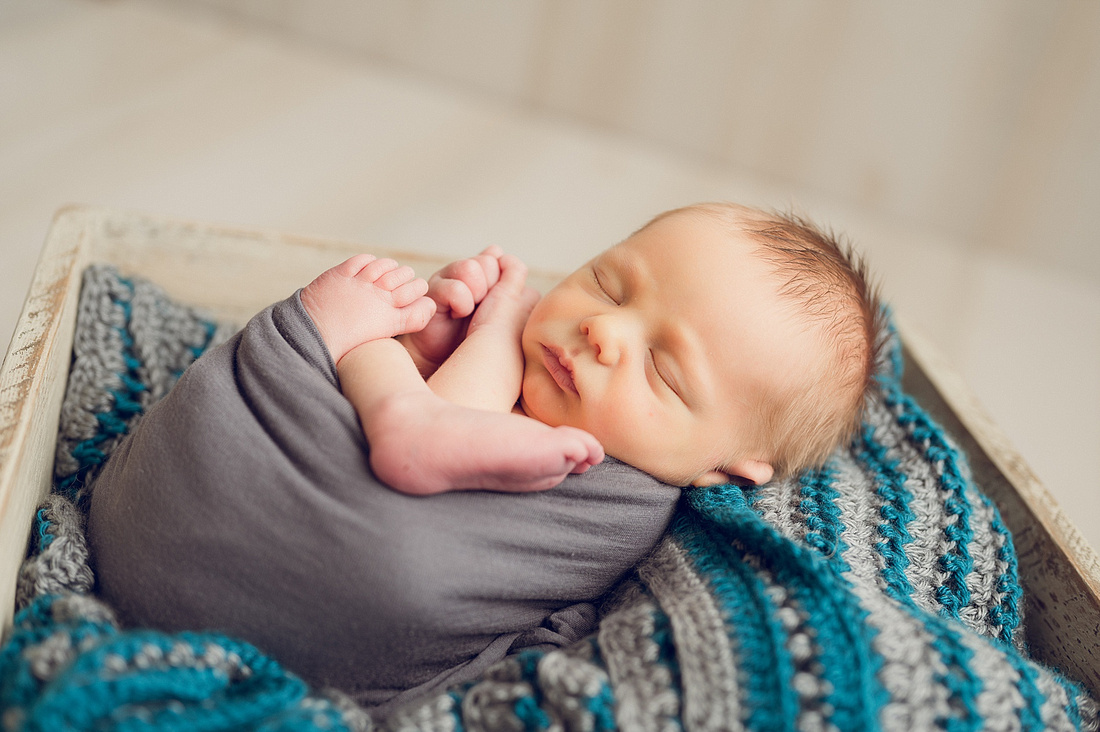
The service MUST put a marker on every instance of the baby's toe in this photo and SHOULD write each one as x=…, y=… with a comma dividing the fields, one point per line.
x=354, y=265
x=396, y=278
x=583, y=448
x=379, y=267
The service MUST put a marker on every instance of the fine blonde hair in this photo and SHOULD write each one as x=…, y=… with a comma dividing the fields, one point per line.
x=827, y=284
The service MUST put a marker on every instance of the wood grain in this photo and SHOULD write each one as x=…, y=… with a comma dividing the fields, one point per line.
x=32, y=383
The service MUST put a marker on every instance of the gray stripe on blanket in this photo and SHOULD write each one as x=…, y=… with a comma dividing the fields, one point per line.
x=708, y=672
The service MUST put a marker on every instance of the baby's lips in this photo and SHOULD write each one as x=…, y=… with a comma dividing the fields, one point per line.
x=559, y=371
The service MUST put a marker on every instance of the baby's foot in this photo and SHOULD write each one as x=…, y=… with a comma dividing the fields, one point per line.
x=365, y=299
x=422, y=444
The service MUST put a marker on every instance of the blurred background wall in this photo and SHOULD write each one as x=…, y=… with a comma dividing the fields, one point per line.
x=957, y=143
x=979, y=120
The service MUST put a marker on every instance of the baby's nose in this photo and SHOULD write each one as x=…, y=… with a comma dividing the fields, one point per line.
x=605, y=339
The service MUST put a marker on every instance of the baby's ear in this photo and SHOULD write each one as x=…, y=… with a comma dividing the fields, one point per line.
x=756, y=472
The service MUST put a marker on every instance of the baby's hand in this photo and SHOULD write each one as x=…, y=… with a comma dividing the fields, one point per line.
x=509, y=303
x=365, y=299
x=457, y=290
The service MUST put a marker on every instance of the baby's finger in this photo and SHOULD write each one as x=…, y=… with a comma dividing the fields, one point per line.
x=409, y=292
x=395, y=278
x=472, y=273
x=513, y=273
x=373, y=270
x=490, y=265
x=451, y=295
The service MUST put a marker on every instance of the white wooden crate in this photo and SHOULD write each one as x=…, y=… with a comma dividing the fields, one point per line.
x=235, y=272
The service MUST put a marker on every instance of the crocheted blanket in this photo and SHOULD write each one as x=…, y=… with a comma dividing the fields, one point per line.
x=878, y=592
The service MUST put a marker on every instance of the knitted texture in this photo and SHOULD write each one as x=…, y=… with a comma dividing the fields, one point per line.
x=878, y=592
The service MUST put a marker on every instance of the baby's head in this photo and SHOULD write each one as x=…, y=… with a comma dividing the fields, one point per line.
x=717, y=342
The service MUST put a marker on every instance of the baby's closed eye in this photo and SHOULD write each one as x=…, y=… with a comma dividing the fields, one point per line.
x=602, y=286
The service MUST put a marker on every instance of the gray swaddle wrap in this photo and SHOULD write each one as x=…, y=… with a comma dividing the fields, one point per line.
x=244, y=502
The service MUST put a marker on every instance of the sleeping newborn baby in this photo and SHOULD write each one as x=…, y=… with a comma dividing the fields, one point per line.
x=307, y=485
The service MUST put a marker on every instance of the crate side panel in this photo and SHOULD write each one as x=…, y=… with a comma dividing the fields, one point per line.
x=32, y=385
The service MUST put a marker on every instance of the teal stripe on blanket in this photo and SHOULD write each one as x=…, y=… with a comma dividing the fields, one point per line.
x=953, y=594
x=822, y=514
x=895, y=513
x=849, y=663
x=956, y=561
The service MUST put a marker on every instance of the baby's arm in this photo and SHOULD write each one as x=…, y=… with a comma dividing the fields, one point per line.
x=420, y=442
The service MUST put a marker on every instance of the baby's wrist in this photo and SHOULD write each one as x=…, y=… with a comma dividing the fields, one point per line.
x=496, y=330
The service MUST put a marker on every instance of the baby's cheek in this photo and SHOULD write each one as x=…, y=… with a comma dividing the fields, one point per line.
x=634, y=448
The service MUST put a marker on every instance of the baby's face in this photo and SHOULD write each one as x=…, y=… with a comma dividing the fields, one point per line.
x=662, y=347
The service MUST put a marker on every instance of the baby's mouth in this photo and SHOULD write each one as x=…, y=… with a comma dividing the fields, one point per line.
x=561, y=373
